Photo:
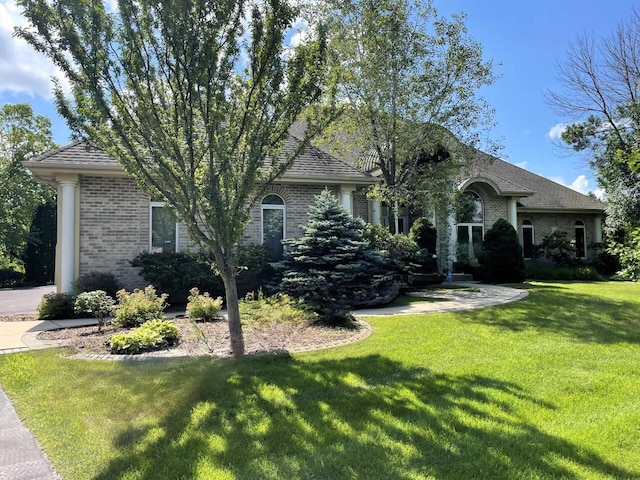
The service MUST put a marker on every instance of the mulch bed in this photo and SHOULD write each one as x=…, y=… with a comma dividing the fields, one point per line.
x=212, y=338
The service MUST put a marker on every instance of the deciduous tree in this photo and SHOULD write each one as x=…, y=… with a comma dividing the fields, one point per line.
x=194, y=98
x=600, y=86
x=23, y=136
x=409, y=83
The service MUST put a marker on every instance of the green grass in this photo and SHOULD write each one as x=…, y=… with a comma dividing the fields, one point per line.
x=544, y=388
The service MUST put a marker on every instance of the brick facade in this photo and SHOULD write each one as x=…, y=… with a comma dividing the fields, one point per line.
x=114, y=222
x=114, y=226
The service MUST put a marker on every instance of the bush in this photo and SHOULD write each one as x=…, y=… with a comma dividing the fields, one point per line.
x=153, y=335
x=141, y=306
x=256, y=268
x=404, y=257
x=259, y=310
x=424, y=234
x=557, y=248
x=10, y=277
x=629, y=255
x=501, y=256
x=92, y=281
x=177, y=273
x=203, y=307
x=55, y=306
x=584, y=273
x=97, y=303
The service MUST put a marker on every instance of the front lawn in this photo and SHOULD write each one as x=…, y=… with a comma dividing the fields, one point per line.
x=547, y=387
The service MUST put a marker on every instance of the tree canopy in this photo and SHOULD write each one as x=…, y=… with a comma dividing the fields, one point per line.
x=23, y=136
x=194, y=99
x=600, y=85
x=408, y=83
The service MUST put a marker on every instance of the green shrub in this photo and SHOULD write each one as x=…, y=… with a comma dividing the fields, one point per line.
x=97, y=303
x=141, y=306
x=583, y=273
x=424, y=234
x=259, y=310
x=628, y=253
x=153, y=335
x=92, y=281
x=557, y=248
x=55, y=306
x=501, y=256
x=177, y=273
x=402, y=254
x=11, y=278
x=202, y=307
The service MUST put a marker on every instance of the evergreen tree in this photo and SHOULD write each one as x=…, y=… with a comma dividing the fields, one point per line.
x=329, y=266
x=502, y=254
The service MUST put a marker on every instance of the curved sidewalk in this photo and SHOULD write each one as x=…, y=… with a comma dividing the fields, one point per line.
x=452, y=300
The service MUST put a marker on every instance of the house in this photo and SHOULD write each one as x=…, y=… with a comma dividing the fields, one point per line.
x=105, y=220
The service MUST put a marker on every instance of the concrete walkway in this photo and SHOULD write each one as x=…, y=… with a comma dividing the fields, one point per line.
x=22, y=459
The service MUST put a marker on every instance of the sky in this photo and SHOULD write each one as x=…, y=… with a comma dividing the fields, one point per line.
x=526, y=41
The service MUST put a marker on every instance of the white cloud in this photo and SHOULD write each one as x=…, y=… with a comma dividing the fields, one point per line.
x=521, y=164
x=22, y=69
x=580, y=184
x=556, y=131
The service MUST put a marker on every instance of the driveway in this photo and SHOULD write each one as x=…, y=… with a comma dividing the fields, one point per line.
x=22, y=300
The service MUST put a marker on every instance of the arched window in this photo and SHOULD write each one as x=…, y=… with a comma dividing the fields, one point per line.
x=470, y=227
x=581, y=239
x=273, y=224
x=527, y=238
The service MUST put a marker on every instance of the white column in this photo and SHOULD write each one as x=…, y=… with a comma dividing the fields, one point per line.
x=346, y=197
x=376, y=212
x=453, y=240
x=68, y=235
x=513, y=213
x=597, y=229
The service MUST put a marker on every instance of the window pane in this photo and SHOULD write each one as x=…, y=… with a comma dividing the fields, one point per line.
x=476, y=235
x=163, y=230
x=527, y=242
x=272, y=230
x=580, y=243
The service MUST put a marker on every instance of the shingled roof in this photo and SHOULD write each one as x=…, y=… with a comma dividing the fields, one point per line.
x=538, y=193
x=313, y=165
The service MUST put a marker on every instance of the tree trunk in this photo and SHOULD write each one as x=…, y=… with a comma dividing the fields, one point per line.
x=233, y=313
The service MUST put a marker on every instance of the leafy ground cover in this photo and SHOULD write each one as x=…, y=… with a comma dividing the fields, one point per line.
x=542, y=388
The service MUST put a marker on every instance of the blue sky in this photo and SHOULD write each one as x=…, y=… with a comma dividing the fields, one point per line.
x=526, y=40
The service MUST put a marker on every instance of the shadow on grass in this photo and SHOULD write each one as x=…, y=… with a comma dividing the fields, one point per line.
x=361, y=418
x=582, y=317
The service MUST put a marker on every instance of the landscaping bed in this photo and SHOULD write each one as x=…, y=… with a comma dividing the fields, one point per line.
x=212, y=338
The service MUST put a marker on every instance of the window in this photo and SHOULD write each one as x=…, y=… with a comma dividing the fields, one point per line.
x=470, y=227
x=163, y=231
x=581, y=240
x=527, y=238
x=273, y=226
